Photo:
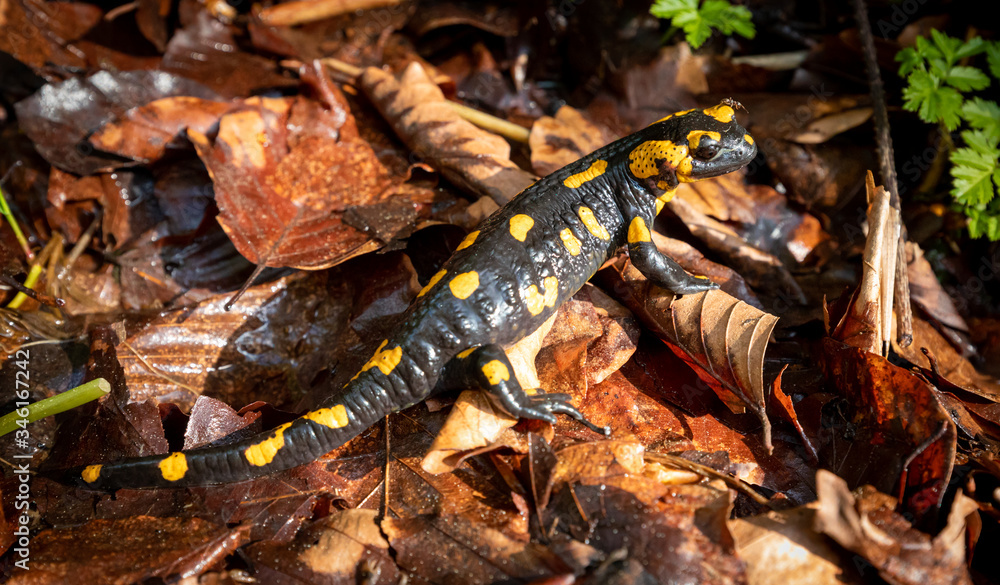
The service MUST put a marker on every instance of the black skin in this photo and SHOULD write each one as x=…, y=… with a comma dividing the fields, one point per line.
x=445, y=341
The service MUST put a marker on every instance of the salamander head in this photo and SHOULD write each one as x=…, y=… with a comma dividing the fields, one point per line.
x=692, y=145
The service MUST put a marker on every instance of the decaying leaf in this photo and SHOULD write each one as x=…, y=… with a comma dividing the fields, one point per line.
x=720, y=337
x=290, y=204
x=898, y=436
x=473, y=159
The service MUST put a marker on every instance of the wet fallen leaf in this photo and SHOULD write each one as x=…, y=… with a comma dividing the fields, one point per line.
x=60, y=116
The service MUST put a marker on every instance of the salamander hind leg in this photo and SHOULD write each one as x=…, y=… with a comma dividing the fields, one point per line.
x=486, y=367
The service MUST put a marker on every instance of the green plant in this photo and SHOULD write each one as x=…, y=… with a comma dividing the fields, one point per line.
x=698, y=23
x=935, y=86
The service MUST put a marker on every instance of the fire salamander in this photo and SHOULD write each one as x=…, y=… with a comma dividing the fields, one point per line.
x=503, y=281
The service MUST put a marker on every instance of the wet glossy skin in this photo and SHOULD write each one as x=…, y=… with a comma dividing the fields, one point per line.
x=504, y=280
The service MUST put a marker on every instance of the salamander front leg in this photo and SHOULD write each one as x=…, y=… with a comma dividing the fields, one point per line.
x=486, y=367
x=662, y=270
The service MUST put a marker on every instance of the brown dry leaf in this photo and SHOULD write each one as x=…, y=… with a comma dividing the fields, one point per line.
x=145, y=133
x=898, y=436
x=293, y=197
x=157, y=548
x=927, y=293
x=475, y=160
x=558, y=141
x=865, y=522
x=722, y=338
x=784, y=547
x=306, y=11
x=947, y=362
x=868, y=322
x=826, y=126
x=329, y=550
x=459, y=549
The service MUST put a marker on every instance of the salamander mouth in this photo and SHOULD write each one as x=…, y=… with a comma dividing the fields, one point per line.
x=726, y=161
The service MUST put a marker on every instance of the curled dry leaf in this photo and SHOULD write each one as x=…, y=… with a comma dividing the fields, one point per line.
x=868, y=322
x=41, y=34
x=473, y=159
x=865, y=522
x=722, y=338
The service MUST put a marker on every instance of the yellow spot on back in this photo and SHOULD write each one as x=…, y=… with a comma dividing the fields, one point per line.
x=520, y=225
x=694, y=137
x=593, y=226
x=495, y=371
x=664, y=199
x=674, y=115
x=434, y=280
x=642, y=160
x=463, y=285
x=637, y=231
x=260, y=454
x=91, y=473
x=596, y=169
x=384, y=359
x=334, y=417
x=468, y=241
x=536, y=301
x=466, y=353
x=174, y=466
x=748, y=138
x=569, y=240
x=721, y=112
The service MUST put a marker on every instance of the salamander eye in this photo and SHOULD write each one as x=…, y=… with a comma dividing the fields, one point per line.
x=707, y=151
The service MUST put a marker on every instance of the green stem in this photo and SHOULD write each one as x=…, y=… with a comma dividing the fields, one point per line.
x=67, y=400
x=5, y=210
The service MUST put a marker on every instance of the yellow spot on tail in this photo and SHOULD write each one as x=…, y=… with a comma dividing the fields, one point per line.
x=520, y=225
x=334, y=417
x=642, y=159
x=536, y=301
x=463, y=285
x=596, y=169
x=593, y=226
x=694, y=137
x=174, y=467
x=464, y=354
x=531, y=391
x=637, y=231
x=91, y=473
x=384, y=359
x=434, y=280
x=468, y=241
x=721, y=112
x=674, y=115
x=748, y=138
x=260, y=454
x=569, y=240
x=495, y=371
x=664, y=199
